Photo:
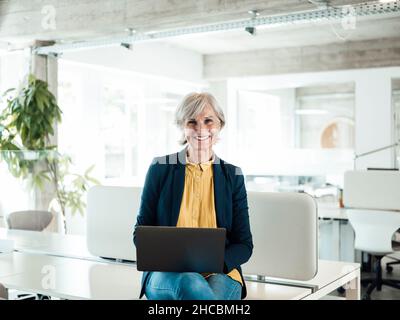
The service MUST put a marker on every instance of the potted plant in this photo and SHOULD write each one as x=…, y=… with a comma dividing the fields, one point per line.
x=26, y=126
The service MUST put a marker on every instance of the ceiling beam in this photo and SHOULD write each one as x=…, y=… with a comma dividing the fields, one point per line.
x=338, y=56
x=27, y=20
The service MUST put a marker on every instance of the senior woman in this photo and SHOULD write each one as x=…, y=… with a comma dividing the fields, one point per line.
x=195, y=188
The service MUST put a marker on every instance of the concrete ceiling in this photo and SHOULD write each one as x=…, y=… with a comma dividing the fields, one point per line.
x=23, y=21
x=290, y=36
x=20, y=22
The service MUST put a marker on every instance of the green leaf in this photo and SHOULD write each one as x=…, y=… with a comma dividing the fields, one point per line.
x=31, y=79
x=39, y=103
x=93, y=180
x=8, y=91
x=88, y=170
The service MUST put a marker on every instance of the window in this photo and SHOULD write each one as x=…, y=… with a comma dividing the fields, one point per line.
x=118, y=127
x=117, y=120
x=259, y=122
x=13, y=68
x=292, y=139
x=325, y=116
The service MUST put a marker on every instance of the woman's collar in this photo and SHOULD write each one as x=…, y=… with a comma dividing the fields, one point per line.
x=210, y=161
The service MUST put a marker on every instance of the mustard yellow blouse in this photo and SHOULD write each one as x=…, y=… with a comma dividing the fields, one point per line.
x=197, y=207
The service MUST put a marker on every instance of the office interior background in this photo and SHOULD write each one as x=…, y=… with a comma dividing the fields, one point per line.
x=303, y=93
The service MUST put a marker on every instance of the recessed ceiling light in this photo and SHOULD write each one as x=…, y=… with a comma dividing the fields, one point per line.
x=253, y=12
x=131, y=31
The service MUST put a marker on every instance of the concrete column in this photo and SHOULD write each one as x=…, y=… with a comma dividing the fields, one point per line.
x=45, y=68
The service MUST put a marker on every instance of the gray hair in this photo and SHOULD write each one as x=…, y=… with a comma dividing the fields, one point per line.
x=192, y=105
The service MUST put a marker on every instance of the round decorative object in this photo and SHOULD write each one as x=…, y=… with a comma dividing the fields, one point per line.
x=338, y=133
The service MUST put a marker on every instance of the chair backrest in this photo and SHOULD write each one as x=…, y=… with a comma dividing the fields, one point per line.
x=111, y=217
x=374, y=229
x=33, y=220
x=285, y=235
x=372, y=199
x=372, y=189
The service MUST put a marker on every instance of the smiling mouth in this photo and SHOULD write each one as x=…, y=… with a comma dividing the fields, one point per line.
x=202, y=138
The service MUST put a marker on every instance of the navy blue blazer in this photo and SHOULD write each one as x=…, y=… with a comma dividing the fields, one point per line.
x=162, y=196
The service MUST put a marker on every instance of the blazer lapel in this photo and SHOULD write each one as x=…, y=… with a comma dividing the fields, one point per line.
x=219, y=192
x=178, y=185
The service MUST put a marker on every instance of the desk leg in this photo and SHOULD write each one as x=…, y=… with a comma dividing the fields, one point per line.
x=353, y=288
x=3, y=292
x=336, y=237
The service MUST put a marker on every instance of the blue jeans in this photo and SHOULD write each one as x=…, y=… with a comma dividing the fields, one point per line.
x=191, y=286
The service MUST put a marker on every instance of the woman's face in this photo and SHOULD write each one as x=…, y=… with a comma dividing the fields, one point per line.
x=202, y=132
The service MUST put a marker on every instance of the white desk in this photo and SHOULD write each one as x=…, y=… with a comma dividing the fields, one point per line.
x=331, y=276
x=336, y=235
x=11, y=263
x=270, y=291
x=83, y=279
x=50, y=243
x=80, y=275
x=69, y=278
x=331, y=211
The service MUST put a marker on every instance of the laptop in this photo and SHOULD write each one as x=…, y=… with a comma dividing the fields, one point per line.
x=176, y=249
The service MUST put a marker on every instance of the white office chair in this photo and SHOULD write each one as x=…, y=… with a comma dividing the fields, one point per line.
x=389, y=265
x=373, y=199
x=374, y=230
x=33, y=220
